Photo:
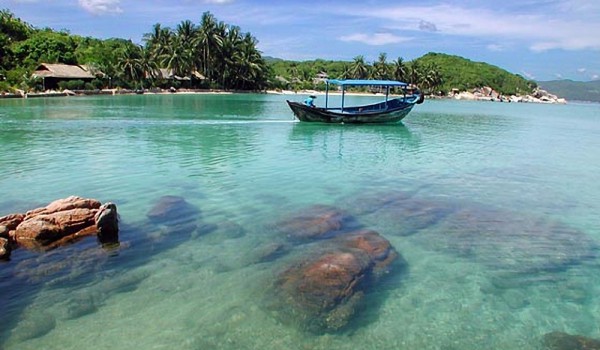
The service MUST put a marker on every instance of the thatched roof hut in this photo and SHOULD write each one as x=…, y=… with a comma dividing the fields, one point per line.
x=53, y=73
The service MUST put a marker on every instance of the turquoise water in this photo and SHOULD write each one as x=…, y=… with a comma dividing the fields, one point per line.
x=497, y=221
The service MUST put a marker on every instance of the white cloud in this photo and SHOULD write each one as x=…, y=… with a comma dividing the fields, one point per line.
x=99, y=7
x=495, y=47
x=595, y=77
x=581, y=70
x=541, y=30
x=218, y=1
x=376, y=39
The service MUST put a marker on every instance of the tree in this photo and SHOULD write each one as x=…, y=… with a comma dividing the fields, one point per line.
x=399, y=69
x=46, y=46
x=359, y=69
x=131, y=65
x=380, y=68
x=210, y=40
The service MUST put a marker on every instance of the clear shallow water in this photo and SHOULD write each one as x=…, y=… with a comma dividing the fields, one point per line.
x=499, y=232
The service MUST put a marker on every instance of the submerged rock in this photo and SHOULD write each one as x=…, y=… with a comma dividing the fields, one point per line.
x=172, y=211
x=563, y=341
x=269, y=252
x=511, y=243
x=81, y=305
x=33, y=324
x=315, y=222
x=322, y=293
x=407, y=213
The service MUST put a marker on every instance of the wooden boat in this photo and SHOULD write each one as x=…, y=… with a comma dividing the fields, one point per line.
x=388, y=111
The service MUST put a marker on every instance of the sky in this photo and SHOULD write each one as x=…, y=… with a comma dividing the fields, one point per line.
x=538, y=39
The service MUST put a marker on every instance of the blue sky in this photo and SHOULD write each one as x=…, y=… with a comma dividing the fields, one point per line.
x=539, y=39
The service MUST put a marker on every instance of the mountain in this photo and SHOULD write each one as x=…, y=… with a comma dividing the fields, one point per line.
x=573, y=90
x=463, y=74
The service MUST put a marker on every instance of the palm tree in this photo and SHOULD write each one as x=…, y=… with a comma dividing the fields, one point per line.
x=227, y=60
x=251, y=66
x=359, y=69
x=129, y=63
x=414, y=73
x=178, y=58
x=432, y=77
x=209, y=42
x=158, y=41
x=380, y=68
x=399, y=70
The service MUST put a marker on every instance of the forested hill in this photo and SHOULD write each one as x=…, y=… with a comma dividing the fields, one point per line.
x=573, y=90
x=463, y=74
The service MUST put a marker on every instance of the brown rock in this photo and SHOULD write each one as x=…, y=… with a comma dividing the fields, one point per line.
x=5, y=249
x=41, y=230
x=378, y=248
x=324, y=293
x=9, y=223
x=72, y=202
x=318, y=221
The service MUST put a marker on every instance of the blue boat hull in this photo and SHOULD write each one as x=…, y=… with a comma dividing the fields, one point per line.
x=391, y=111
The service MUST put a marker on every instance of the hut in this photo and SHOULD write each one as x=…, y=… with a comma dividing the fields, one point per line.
x=52, y=74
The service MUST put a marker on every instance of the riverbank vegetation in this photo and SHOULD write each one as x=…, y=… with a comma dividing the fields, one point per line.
x=214, y=55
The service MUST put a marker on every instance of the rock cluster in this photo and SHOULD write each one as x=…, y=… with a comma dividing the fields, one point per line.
x=488, y=94
x=60, y=222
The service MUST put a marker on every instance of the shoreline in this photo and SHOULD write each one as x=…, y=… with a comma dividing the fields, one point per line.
x=485, y=94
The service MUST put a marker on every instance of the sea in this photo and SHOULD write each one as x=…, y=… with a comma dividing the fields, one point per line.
x=493, y=209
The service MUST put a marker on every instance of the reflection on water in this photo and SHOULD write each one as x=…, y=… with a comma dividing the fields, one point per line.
x=497, y=251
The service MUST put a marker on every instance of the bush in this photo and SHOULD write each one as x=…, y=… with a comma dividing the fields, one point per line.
x=71, y=85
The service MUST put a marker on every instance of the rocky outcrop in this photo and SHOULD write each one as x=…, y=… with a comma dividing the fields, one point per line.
x=60, y=222
x=322, y=293
x=486, y=93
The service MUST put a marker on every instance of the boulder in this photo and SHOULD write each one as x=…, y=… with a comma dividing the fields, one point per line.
x=59, y=205
x=107, y=223
x=379, y=249
x=323, y=293
x=9, y=223
x=61, y=222
x=44, y=230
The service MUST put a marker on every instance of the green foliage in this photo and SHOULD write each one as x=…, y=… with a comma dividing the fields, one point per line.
x=463, y=74
x=46, y=46
x=73, y=85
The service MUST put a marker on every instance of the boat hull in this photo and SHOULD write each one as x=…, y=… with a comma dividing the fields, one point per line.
x=353, y=115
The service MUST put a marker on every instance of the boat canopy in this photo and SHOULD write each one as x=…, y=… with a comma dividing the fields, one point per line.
x=361, y=82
